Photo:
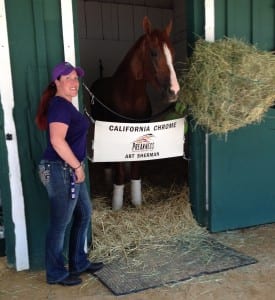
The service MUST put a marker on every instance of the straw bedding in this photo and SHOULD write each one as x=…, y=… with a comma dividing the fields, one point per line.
x=228, y=84
x=165, y=215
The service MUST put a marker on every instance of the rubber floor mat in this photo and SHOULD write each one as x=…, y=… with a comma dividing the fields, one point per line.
x=172, y=262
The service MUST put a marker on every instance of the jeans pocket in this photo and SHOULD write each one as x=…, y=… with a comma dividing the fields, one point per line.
x=44, y=173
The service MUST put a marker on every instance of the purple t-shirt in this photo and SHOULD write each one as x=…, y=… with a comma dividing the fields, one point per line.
x=63, y=111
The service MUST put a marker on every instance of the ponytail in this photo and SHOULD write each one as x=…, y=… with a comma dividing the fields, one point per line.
x=41, y=116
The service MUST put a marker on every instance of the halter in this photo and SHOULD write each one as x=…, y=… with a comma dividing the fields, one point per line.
x=94, y=98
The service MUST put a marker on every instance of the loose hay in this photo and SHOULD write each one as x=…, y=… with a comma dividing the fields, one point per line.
x=164, y=215
x=228, y=84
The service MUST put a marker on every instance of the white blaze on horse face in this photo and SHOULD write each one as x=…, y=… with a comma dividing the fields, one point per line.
x=173, y=77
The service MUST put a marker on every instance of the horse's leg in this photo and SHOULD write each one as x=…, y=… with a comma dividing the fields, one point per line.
x=127, y=168
x=118, y=190
x=136, y=195
x=108, y=176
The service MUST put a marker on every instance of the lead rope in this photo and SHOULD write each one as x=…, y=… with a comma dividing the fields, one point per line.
x=94, y=98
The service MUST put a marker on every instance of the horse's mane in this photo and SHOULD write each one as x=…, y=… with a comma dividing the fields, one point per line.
x=129, y=55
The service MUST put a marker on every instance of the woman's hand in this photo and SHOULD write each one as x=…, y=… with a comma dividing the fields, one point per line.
x=79, y=174
x=58, y=133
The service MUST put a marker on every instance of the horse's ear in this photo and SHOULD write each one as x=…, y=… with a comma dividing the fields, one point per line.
x=147, y=27
x=168, y=28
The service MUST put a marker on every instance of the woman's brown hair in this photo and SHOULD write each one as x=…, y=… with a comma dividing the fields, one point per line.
x=41, y=116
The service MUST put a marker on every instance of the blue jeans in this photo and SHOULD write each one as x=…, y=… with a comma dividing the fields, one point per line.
x=66, y=208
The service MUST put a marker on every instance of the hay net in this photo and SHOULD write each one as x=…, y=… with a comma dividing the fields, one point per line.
x=228, y=84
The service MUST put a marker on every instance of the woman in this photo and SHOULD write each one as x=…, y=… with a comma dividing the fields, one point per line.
x=62, y=172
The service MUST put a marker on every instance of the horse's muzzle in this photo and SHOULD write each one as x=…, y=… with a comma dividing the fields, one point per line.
x=170, y=96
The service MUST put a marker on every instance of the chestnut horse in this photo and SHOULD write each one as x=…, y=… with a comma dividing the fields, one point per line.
x=149, y=61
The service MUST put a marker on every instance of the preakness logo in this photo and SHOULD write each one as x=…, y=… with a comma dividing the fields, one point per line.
x=144, y=143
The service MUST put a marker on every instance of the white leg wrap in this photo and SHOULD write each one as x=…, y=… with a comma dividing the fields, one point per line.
x=117, y=201
x=136, y=196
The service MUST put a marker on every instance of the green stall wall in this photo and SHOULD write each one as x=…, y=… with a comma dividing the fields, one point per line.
x=35, y=39
x=250, y=20
x=36, y=45
x=241, y=176
x=240, y=166
x=196, y=136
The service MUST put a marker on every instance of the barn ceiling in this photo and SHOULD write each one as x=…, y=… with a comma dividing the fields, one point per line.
x=147, y=3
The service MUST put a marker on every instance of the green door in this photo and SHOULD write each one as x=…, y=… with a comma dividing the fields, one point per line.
x=231, y=179
x=241, y=176
x=241, y=185
x=35, y=39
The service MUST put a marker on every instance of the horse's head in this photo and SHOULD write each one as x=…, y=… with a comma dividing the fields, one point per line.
x=158, y=54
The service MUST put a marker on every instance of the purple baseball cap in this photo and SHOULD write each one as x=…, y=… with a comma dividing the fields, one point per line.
x=65, y=68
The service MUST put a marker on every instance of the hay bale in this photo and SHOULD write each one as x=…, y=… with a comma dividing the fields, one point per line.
x=228, y=84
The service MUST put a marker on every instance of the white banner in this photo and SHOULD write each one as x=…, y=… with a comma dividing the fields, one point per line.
x=138, y=141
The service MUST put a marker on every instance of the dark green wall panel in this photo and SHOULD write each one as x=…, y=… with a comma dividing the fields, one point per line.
x=35, y=38
x=263, y=26
x=196, y=136
x=241, y=176
x=197, y=171
x=220, y=18
x=241, y=187
x=195, y=21
x=250, y=20
x=239, y=19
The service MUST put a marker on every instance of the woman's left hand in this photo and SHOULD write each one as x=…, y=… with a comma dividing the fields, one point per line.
x=79, y=174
